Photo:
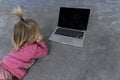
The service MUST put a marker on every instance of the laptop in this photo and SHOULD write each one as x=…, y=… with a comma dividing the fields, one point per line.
x=72, y=26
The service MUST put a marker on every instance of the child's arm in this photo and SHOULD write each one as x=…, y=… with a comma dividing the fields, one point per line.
x=41, y=49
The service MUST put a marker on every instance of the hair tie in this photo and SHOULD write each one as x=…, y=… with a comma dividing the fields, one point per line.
x=22, y=19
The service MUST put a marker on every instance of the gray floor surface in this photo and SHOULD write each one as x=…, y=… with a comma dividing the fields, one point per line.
x=99, y=59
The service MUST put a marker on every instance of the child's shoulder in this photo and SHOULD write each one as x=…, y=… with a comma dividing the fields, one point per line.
x=26, y=48
x=29, y=46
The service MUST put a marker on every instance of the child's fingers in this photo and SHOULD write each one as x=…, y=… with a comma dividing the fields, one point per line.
x=39, y=37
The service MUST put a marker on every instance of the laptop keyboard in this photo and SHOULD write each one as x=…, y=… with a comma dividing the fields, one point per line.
x=69, y=33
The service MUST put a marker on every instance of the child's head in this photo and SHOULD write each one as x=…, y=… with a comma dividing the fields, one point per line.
x=24, y=31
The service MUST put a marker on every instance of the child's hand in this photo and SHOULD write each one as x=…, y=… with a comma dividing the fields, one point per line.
x=39, y=37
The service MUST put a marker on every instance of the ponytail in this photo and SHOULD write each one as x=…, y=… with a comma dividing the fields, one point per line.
x=18, y=12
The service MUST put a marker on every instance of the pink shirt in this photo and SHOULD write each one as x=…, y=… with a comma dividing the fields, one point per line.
x=18, y=62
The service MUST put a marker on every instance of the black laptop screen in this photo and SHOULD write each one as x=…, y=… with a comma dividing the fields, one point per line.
x=74, y=18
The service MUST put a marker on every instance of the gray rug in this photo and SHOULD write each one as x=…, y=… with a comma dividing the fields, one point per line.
x=99, y=59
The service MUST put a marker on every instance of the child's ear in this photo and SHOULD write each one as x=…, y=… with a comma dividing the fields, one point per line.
x=35, y=36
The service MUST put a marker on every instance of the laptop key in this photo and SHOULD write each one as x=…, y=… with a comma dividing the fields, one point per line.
x=69, y=33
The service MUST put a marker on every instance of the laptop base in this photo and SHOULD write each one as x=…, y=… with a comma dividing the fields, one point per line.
x=67, y=40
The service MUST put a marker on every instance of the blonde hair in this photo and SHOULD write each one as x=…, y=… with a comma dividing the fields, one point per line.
x=23, y=31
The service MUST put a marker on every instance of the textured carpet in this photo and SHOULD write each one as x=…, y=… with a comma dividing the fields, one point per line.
x=99, y=59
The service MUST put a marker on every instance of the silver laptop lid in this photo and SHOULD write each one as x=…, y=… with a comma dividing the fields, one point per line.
x=74, y=18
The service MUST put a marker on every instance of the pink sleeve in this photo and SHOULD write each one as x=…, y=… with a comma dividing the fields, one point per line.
x=41, y=50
